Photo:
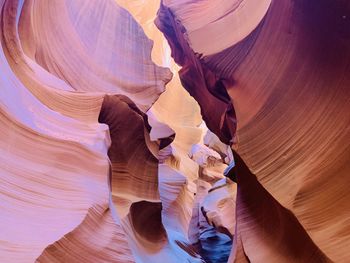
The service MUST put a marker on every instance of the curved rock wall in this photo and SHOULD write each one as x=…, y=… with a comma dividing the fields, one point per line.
x=100, y=162
x=289, y=83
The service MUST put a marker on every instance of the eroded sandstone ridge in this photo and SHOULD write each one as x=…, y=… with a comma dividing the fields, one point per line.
x=123, y=124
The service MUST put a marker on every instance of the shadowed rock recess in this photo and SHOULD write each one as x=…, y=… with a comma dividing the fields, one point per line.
x=174, y=131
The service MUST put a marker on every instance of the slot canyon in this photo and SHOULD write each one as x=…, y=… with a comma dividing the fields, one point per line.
x=174, y=131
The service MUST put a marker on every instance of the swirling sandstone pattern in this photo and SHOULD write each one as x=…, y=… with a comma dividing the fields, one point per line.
x=289, y=81
x=55, y=197
x=100, y=163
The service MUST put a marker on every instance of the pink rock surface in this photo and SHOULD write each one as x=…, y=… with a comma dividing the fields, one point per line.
x=100, y=162
x=288, y=80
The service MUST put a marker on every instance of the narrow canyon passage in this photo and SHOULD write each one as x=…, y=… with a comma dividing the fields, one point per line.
x=173, y=131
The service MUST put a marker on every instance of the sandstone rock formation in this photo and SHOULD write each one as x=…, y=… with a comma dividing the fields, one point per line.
x=288, y=80
x=119, y=120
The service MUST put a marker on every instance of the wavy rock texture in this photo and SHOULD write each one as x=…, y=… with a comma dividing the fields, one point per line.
x=208, y=20
x=53, y=168
x=135, y=193
x=289, y=81
x=58, y=60
x=178, y=174
x=100, y=163
x=108, y=46
x=203, y=85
